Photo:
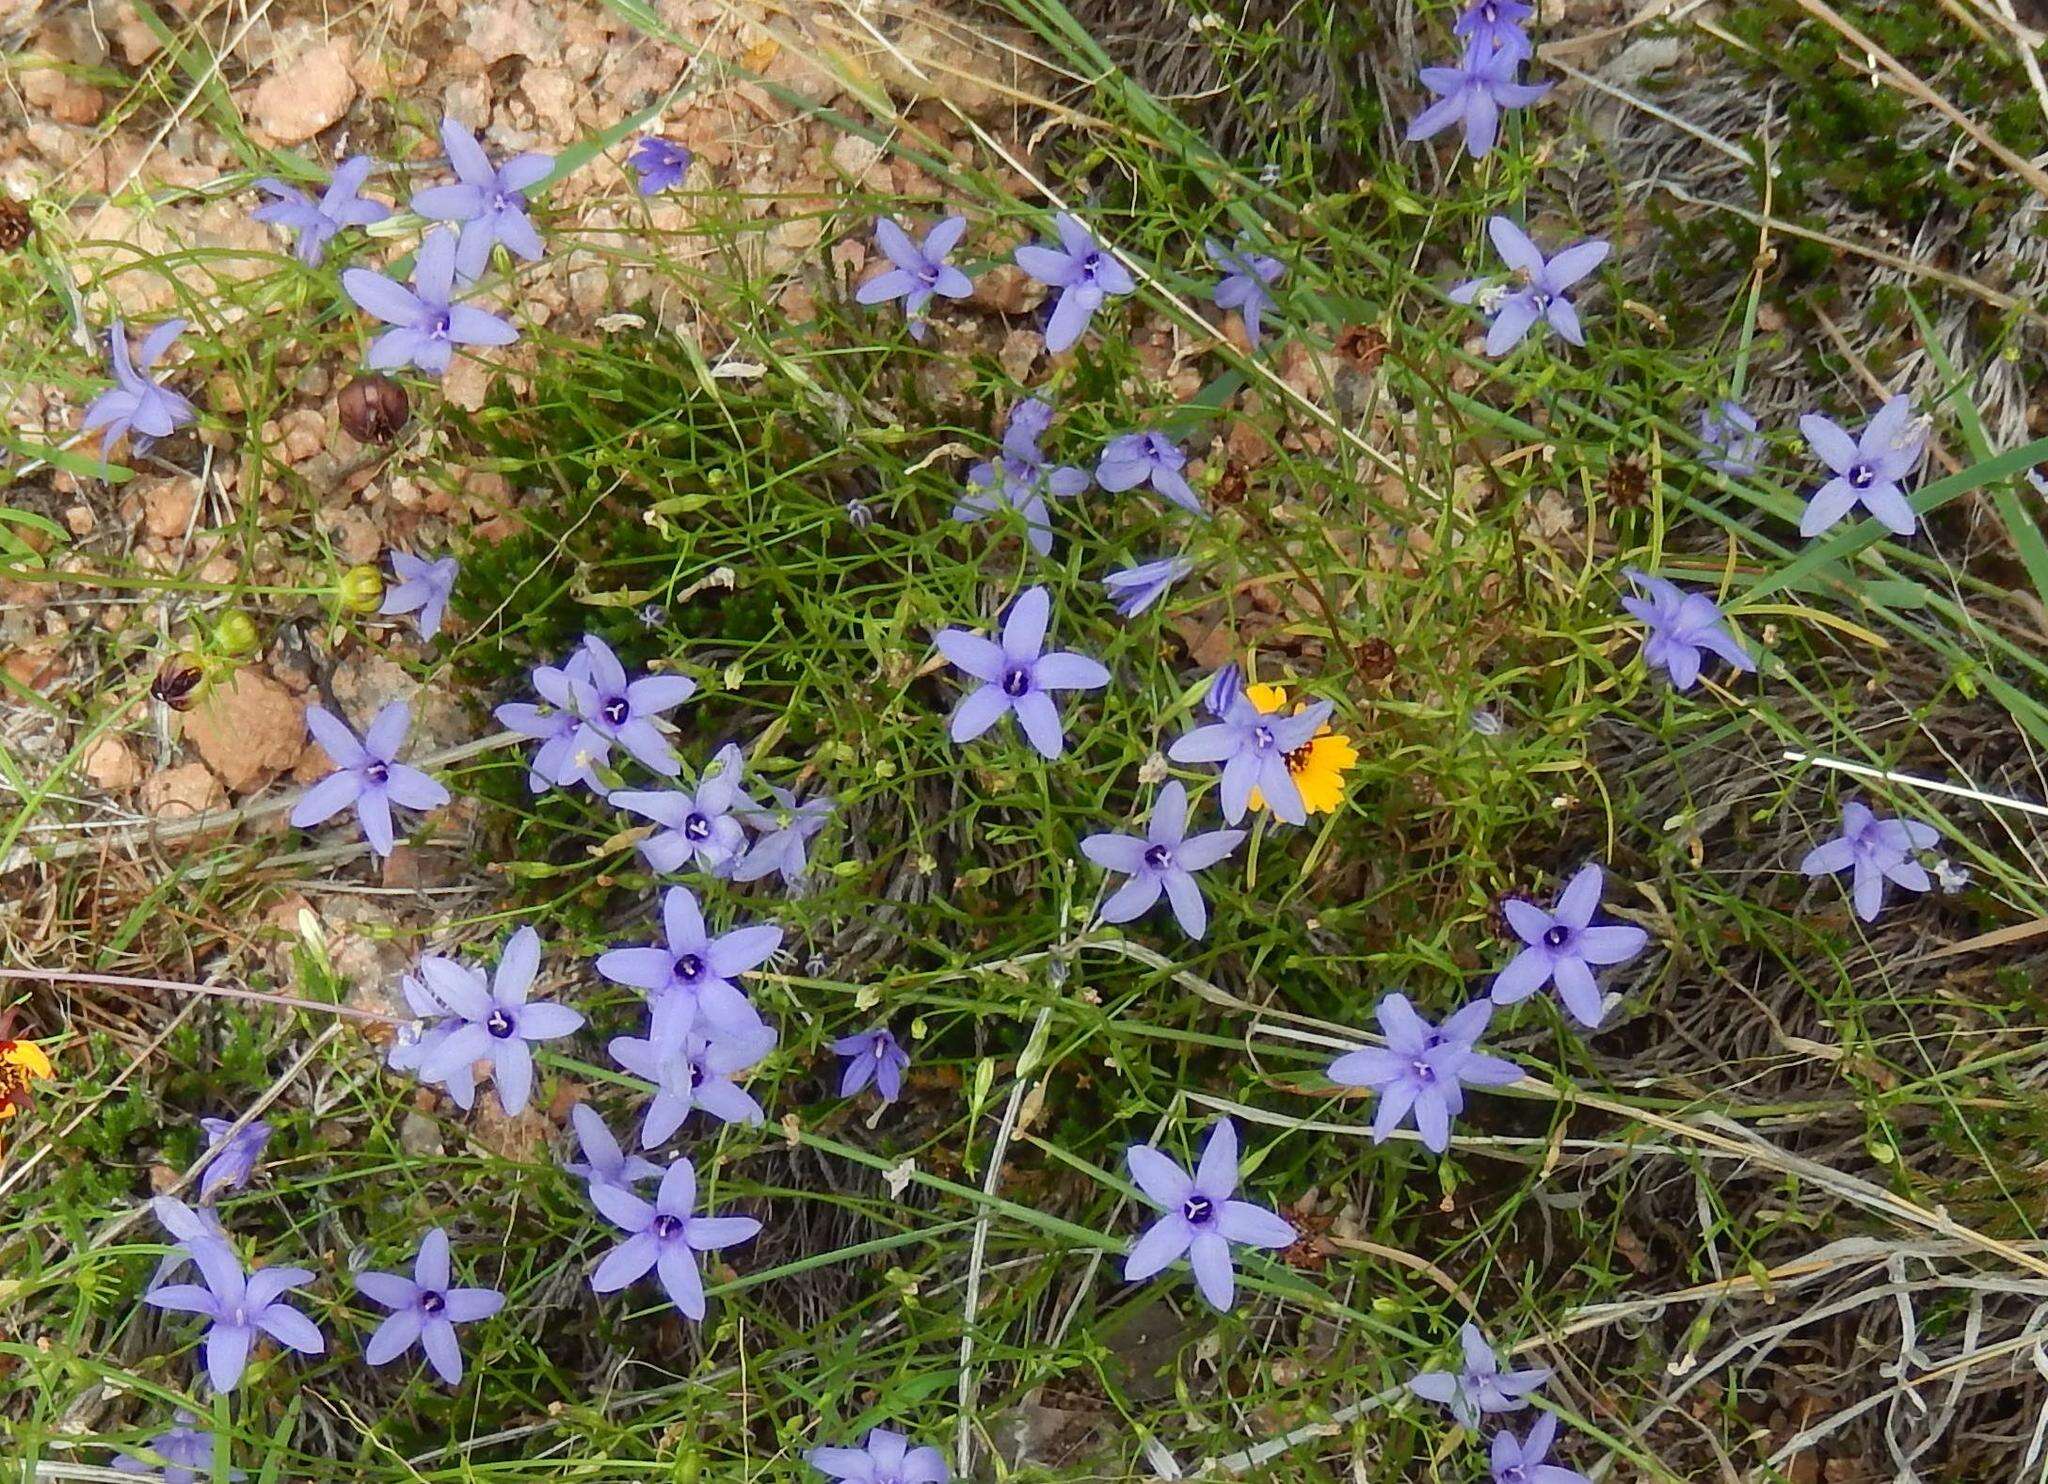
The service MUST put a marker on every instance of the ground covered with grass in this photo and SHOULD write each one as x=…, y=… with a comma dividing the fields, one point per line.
x=1773, y=1216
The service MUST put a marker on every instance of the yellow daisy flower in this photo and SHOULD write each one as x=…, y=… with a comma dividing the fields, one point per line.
x=1319, y=766
x=20, y=1063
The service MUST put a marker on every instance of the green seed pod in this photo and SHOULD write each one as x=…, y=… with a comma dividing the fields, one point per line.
x=362, y=589
x=236, y=634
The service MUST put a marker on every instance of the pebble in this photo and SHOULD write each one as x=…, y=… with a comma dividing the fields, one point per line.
x=305, y=95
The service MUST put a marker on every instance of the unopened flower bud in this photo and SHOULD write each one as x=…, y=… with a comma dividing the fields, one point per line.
x=362, y=589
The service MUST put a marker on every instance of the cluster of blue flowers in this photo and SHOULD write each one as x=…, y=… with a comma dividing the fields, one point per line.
x=703, y=1034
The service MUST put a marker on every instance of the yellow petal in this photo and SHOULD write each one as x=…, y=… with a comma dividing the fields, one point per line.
x=29, y=1057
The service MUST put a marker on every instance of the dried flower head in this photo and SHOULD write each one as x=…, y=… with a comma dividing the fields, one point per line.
x=1374, y=658
x=1363, y=346
x=16, y=225
x=1231, y=484
x=1627, y=483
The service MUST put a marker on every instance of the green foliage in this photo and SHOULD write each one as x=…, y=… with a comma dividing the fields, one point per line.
x=684, y=495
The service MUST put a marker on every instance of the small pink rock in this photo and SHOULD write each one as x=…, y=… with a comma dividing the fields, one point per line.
x=303, y=96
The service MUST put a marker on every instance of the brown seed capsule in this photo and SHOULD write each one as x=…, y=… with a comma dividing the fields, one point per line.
x=1626, y=483
x=177, y=682
x=1375, y=658
x=1231, y=484
x=1363, y=346
x=16, y=225
x=373, y=409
